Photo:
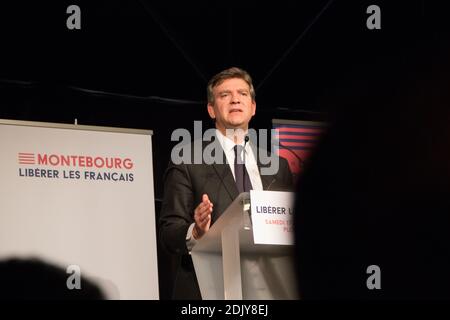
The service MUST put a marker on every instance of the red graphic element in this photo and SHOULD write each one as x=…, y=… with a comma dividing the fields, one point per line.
x=297, y=129
x=286, y=136
x=296, y=142
x=26, y=158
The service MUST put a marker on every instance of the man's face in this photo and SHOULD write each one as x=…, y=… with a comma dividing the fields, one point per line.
x=233, y=105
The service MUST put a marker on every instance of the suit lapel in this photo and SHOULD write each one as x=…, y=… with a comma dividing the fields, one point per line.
x=224, y=173
x=267, y=181
x=226, y=177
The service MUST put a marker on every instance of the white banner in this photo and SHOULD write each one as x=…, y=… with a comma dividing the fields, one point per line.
x=272, y=217
x=74, y=195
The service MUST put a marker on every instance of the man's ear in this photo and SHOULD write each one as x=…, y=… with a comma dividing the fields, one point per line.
x=211, y=112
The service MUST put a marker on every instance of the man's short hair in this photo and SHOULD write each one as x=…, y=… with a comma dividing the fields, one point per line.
x=230, y=73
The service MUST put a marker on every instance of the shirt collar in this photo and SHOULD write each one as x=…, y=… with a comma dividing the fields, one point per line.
x=226, y=143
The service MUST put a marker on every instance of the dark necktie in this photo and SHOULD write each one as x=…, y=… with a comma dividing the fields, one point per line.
x=243, y=183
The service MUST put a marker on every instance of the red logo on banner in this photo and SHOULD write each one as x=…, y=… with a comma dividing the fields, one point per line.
x=26, y=158
x=296, y=142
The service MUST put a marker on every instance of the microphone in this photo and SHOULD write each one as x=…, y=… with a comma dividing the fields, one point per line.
x=270, y=184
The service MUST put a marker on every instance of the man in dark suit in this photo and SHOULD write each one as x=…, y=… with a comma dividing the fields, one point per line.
x=195, y=195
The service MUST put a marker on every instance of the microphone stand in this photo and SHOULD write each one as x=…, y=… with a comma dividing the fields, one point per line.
x=245, y=169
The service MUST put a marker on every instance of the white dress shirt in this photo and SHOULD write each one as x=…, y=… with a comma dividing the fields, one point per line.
x=250, y=160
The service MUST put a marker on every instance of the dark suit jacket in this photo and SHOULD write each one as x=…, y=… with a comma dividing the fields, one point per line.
x=183, y=189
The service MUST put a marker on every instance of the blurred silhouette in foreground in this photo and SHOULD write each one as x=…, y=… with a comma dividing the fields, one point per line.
x=377, y=191
x=33, y=279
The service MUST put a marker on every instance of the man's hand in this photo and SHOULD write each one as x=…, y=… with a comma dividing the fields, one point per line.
x=202, y=217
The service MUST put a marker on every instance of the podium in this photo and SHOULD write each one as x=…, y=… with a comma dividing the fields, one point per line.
x=230, y=266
